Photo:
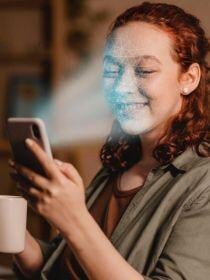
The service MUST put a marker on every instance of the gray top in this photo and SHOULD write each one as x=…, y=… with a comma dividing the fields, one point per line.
x=165, y=231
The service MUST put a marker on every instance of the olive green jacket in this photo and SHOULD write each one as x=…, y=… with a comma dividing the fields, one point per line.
x=165, y=231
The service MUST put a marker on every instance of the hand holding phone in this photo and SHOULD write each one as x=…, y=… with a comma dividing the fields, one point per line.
x=19, y=129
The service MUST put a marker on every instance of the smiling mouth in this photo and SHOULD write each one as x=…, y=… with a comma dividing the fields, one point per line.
x=130, y=107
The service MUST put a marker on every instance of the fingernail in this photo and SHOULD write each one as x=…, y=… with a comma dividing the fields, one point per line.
x=58, y=162
x=29, y=142
x=11, y=162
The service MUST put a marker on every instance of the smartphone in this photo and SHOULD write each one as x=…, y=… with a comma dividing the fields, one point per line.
x=18, y=129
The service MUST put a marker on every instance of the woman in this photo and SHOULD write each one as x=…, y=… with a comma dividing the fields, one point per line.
x=146, y=214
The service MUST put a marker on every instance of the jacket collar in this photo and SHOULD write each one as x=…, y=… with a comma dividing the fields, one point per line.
x=181, y=163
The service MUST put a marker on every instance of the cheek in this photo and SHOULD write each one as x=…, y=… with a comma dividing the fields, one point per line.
x=108, y=84
x=164, y=96
x=163, y=87
x=165, y=105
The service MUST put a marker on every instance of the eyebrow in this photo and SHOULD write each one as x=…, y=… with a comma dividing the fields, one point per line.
x=135, y=58
x=147, y=57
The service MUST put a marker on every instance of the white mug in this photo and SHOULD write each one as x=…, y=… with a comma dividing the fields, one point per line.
x=13, y=216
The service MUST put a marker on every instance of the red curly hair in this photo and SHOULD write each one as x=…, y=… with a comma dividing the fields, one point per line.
x=190, y=127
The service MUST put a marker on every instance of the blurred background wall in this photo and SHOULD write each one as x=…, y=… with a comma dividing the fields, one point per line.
x=50, y=67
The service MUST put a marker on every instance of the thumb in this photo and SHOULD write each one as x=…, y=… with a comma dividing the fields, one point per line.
x=69, y=171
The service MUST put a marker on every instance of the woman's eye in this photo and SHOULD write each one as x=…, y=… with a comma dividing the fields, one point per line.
x=110, y=74
x=111, y=70
x=143, y=72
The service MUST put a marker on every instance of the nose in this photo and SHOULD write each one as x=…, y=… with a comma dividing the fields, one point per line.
x=126, y=83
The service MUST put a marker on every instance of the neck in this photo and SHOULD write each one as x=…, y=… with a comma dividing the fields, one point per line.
x=148, y=143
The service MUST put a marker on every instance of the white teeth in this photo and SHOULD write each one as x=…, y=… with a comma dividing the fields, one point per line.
x=130, y=107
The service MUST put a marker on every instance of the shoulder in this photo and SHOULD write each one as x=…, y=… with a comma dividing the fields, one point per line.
x=195, y=165
x=199, y=169
x=193, y=178
x=197, y=177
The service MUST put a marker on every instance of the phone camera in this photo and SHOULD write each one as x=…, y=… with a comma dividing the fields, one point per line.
x=36, y=131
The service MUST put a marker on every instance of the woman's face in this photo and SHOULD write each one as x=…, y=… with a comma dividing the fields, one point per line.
x=141, y=78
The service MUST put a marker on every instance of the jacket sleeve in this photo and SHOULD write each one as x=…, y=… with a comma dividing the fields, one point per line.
x=47, y=249
x=186, y=255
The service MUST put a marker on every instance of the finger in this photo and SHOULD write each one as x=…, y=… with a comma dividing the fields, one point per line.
x=35, y=193
x=11, y=162
x=19, y=179
x=69, y=171
x=48, y=164
x=31, y=201
x=24, y=192
x=34, y=178
x=32, y=195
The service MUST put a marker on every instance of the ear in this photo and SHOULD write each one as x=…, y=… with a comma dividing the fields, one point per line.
x=190, y=79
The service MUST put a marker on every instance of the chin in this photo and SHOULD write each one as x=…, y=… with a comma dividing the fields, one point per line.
x=134, y=127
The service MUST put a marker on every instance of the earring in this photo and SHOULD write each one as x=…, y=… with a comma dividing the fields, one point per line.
x=185, y=91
